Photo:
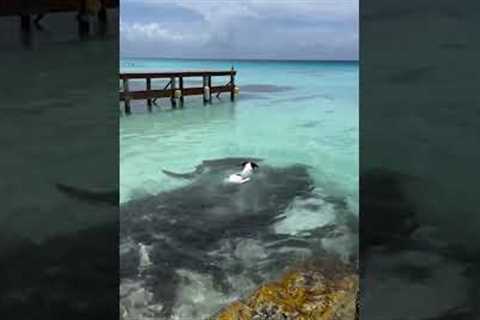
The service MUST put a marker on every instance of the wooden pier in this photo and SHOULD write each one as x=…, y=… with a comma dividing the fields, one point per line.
x=31, y=12
x=175, y=89
x=32, y=7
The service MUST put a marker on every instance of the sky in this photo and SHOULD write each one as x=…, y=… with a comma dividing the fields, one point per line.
x=240, y=29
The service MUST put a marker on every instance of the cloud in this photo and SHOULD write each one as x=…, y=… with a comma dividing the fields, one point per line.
x=154, y=31
x=280, y=29
x=149, y=31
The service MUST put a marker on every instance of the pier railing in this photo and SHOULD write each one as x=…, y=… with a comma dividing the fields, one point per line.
x=32, y=12
x=27, y=7
x=175, y=89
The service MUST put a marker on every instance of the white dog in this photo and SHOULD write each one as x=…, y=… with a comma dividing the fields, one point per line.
x=244, y=176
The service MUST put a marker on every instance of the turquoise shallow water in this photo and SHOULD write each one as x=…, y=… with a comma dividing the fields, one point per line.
x=209, y=243
x=287, y=112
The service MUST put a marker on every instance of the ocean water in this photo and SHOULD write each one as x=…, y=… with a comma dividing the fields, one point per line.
x=59, y=127
x=420, y=119
x=287, y=112
x=300, y=118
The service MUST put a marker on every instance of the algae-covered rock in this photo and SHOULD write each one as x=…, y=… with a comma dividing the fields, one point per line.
x=324, y=290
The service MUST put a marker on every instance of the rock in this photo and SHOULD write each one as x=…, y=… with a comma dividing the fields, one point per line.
x=236, y=310
x=321, y=290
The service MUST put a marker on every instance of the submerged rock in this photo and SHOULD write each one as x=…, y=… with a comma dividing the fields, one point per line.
x=324, y=290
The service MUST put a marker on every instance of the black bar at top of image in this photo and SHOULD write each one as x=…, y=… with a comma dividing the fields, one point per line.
x=59, y=162
x=419, y=156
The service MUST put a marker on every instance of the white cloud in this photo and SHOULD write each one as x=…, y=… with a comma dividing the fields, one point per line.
x=154, y=31
x=149, y=31
x=243, y=28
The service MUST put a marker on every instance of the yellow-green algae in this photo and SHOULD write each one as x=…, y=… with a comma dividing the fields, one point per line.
x=321, y=290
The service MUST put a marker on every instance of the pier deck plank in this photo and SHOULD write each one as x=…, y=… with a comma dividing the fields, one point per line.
x=152, y=94
x=184, y=74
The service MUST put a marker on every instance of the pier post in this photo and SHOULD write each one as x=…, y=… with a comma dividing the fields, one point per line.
x=102, y=19
x=232, y=89
x=26, y=32
x=173, y=87
x=210, y=91
x=25, y=22
x=149, y=87
x=127, y=98
x=83, y=20
x=180, y=83
x=204, y=91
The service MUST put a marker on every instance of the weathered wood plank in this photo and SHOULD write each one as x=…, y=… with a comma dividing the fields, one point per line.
x=159, y=75
x=144, y=94
x=219, y=89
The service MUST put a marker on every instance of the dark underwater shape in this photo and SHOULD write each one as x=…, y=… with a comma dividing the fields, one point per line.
x=217, y=164
x=110, y=197
x=387, y=215
x=266, y=88
x=250, y=96
x=71, y=276
x=305, y=98
x=392, y=240
x=412, y=75
x=183, y=225
x=454, y=46
x=310, y=124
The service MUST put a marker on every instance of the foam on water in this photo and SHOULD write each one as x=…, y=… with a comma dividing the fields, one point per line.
x=306, y=214
x=197, y=296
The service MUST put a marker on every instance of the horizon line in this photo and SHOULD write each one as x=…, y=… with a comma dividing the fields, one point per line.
x=243, y=59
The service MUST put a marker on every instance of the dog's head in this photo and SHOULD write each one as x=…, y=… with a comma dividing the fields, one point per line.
x=253, y=165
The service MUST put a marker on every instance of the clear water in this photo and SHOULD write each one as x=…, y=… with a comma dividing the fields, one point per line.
x=286, y=113
x=312, y=119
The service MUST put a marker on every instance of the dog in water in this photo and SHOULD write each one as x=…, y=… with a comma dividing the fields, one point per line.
x=244, y=175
